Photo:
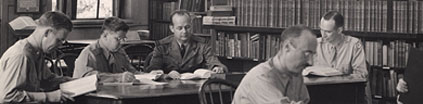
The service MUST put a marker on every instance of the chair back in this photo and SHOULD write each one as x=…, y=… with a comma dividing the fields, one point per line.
x=216, y=91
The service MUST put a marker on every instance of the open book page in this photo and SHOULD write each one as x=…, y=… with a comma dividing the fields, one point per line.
x=321, y=71
x=80, y=86
x=198, y=74
x=23, y=23
x=150, y=76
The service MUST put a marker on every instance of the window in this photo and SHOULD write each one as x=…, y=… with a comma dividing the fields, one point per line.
x=87, y=9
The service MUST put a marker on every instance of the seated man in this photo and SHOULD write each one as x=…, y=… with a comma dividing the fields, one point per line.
x=339, y=51
x=182, y=52
x=105, y=56
x=24, y=75
x=279, y=80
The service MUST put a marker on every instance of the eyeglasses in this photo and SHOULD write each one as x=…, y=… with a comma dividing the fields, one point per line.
x=122, y=39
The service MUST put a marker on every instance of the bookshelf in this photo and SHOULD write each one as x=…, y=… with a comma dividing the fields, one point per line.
x=159, y=16
x=388, y=28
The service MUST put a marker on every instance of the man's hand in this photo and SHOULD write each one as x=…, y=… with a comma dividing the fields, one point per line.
x=402, y=86
x=127, y=77
x=299, y=102
x=218, y=69
x=59, y=96
x=174, y=74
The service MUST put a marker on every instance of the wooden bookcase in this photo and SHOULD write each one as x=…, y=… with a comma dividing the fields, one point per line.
x=159, y=16
x=388, y=28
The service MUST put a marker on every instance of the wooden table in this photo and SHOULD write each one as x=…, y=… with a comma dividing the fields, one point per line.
x=322, y=90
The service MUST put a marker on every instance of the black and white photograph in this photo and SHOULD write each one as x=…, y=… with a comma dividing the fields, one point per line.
x=211, y=51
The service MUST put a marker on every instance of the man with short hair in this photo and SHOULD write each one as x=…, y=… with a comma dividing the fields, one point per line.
x=23, y=71
x=336, y=50
x=279, y=80
x=182, y=52
x=105, y=56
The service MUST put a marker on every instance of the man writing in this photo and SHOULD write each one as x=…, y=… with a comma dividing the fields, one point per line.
x=23, y=71
x=279, y=80
x=182, y=52
x=105, y=56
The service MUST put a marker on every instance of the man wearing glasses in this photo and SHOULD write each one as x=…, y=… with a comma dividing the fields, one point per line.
x=182, y=52
x=105, y=56
x=279, y=80
x=24, y=76
x=336, y=50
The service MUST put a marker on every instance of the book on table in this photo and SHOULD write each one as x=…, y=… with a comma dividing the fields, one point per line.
x=321, y=71
x=81, y=85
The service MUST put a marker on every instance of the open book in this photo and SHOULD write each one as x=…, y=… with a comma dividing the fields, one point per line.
x=80, y=86
x=321, y=71
x=198, y=74
x=23, y=23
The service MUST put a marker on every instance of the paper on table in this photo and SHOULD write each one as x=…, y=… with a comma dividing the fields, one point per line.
x=145, y=81
x=321, y=71
x=148, y=76
x=80, y=86
x=198, y=74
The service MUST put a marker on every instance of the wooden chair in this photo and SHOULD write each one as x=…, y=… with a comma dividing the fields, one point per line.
x=65, y=67
x=216, y=91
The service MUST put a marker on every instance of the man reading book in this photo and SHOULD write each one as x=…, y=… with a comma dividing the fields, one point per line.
x=182, y=52
x=105, y=56
x=341, y=52
x=24, y=76
x=279, y=80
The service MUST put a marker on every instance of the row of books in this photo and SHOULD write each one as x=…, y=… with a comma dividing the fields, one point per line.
x=360, y=15
x=193, y=5
x=198, y=25
x=392, y=54
x=255, y=46
x=220, y=20
x=407, y=16
x=160, y=30
x=384, y=82
x=163, y=10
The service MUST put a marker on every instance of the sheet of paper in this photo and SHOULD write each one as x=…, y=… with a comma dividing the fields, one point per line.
x=80, y=86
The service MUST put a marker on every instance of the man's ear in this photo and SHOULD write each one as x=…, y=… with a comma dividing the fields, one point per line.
x=340, y=29
x=171, y=28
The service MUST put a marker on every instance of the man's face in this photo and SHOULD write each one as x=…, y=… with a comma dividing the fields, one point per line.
x=328, y=30
x=181, y=27
x=300, y=52
x=53, y=39
x=114, y=39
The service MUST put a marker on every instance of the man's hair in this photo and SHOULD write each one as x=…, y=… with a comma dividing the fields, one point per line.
x=114, y=24
x=336, y=16
x=293, y=32
x=179, y=13
x=57, y=20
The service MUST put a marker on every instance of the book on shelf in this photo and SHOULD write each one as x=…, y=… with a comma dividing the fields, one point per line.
x=23, y=23
x=81, y=85
x=321, y=71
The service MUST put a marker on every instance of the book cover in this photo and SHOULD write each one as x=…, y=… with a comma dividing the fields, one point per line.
x=412, y=76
